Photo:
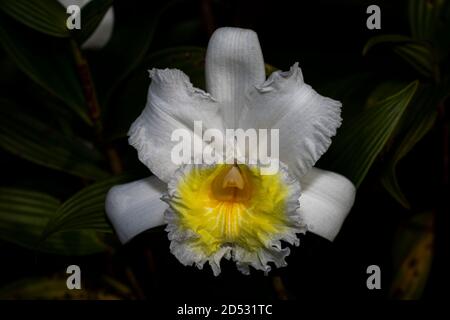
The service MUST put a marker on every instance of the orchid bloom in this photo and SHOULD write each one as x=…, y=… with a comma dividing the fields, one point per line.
x=216, y=211
x=100, y=37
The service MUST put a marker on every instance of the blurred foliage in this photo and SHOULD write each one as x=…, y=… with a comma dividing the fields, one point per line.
x=35, y=141
x=52, y=127
x=24, y=215
x=375, y=125
x=413, y=253
x=46, y=16
x=55, y=289
x=84, y=210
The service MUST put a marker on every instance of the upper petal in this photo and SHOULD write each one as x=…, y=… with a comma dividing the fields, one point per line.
x=136, y=206
x=305, y=119
x=172, y=103
x=234, y=63
x=326, y=199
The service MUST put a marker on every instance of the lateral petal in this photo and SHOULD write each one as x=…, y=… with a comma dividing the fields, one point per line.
x=136, y=206
x=325, y=202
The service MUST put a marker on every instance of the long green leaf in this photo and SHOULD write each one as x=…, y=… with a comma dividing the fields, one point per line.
x=385, y=39
x=85, y=210
x=47, y=16
x=47, y=61
x=424, y=17
x=417, y=122
x=33, y=140
x=417, y=53
x=430, y=23
x=23, y=217
x=361, y=140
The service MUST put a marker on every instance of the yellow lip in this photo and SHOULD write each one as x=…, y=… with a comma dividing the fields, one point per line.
x=230, y=205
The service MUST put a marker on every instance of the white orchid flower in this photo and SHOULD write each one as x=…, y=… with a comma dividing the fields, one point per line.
x=220, y=211
x=100, y=37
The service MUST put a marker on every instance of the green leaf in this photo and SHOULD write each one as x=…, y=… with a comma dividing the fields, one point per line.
x=383, y=90
x=33, y=140
x=47, y=61
x=418, y=122
x=417, y=53
x=430, y=23
x=385, y=39
x=424, y=17
x=24, y=215
x=91, y=16
x=413, y=255
x=47, y=16
x=361, y=139
x=55, y=288
x=85, y=210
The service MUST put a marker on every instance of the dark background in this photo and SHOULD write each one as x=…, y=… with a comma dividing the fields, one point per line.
x=326, y=38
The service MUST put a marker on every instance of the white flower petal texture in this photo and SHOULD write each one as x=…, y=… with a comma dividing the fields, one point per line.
x=172, y=103
x=136, y=206
x=232, y=210
x=306, y=120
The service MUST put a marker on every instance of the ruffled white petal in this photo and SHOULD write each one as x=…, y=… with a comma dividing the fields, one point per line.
x=234, y=63
x=100, y=37
x=326, y=199
x=305, y=119
x=136, y=206
x=172, y=103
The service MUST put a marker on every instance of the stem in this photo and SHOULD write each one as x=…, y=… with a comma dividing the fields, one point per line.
x=93, y=105
x=279, y=288
x=114, y=160
x=134, y=284
x=87, y=84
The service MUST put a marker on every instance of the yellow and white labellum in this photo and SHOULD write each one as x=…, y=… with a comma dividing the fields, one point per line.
x=232, y=211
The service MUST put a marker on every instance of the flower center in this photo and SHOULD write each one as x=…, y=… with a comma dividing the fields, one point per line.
x=231, y=205
x=232, y=184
